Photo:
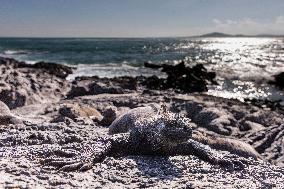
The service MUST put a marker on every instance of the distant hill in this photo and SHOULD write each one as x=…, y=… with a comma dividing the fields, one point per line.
x=219, y=34
x=216, y=34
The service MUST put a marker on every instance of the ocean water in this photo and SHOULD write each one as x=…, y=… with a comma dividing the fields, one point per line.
x=243, y=65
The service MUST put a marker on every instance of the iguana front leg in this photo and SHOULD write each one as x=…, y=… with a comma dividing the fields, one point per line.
x=204, y=152
x=95, y=153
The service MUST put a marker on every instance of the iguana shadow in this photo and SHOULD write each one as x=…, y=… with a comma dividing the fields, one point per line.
x=160, y=167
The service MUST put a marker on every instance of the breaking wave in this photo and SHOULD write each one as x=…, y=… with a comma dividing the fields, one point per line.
x=15, y=52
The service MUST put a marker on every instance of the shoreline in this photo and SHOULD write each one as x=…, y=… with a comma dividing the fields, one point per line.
x=243, y=89
x=68, y=70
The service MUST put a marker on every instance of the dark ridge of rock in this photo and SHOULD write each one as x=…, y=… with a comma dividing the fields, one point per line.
x=153, y=82
x=180, y=77
x=58, y=70
x=24, y=84
x=270, y=143
x=153, y=66
x=273, y=105
x=83, y=86
x=278, y=80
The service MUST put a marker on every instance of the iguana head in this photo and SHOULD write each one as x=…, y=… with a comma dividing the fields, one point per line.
x=165, y=128
x=175, y=127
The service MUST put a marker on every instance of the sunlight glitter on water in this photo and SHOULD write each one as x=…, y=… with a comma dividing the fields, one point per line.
x=243, y=65
x=247, y=64
x=256, y=51
x=245, y=90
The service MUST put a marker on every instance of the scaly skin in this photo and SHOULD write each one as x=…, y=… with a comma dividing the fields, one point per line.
x=163, y=134
x=125, y=122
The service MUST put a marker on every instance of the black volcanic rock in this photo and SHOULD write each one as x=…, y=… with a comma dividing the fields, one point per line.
x=279, y=80
x=58, y=70
x=82, y=86
x=181, y=77
x=265, y=103
x=153, y=66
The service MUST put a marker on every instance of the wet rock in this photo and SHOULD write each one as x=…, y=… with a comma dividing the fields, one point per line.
x=278, y=80
x=58, y=70
x=153, y=66
x=181, y=77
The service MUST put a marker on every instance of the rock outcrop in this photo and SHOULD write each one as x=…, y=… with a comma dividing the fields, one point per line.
x=7, y=117
x=279, y=80
x=94, y=85
x=270, y=143
x=181, y=77
x=24, y=84
x=77, y=111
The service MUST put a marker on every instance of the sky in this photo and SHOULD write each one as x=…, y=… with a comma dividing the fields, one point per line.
x=139, y=18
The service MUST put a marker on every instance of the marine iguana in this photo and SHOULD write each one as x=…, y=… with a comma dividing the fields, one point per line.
x=160, y=134
x=126, y=122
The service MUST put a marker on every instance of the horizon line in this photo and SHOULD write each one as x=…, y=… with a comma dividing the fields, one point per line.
x=143, y=37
